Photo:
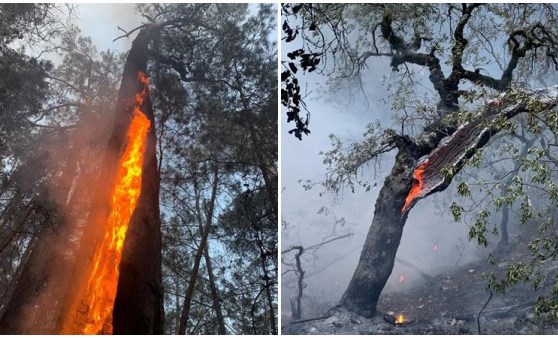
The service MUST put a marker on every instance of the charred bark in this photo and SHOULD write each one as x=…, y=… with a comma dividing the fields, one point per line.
x=138, y=307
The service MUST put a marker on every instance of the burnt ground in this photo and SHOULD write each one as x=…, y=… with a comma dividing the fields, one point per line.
x=449, y=303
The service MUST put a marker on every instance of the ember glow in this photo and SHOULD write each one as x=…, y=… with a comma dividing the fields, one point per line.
x=401, y=278
x=417, y=187
x=400, y=319
x=91, y=313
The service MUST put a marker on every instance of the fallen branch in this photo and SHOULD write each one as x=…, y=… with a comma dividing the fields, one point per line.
x=309, y=319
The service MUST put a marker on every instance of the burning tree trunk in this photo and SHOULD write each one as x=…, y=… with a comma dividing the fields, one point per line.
x=125, y=257
x=419, y=171
x=112, y=284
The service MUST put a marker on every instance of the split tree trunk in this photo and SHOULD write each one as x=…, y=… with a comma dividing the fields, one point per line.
x=380, y=248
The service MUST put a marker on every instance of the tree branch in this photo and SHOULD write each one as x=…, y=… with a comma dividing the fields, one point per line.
x=406, y=53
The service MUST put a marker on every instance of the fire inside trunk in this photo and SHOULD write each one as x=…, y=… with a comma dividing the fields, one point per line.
x=91, y=312
x=417, y=188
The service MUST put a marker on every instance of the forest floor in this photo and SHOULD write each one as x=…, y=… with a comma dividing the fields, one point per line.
x=449, y=303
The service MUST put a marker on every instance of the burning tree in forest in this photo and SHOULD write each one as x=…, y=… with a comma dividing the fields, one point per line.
x=450, y=44
x=122, y=257
x=91, y=251
x=91, y=311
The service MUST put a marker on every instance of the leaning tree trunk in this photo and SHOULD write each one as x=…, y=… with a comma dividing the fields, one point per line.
x=378, y=254
x=205, y=230
x=424, y=159
x=215, y=296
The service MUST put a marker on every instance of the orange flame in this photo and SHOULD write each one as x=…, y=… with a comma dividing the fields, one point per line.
x=401, y=278
x=400, y=319
x=417, y=187
x=93, y=313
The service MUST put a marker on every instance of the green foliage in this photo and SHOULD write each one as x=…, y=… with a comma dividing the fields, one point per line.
x=531, y=190
x=456, y=211
x=345, y=166
x=221, y=112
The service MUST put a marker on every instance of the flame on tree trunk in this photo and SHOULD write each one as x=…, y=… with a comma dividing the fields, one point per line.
x=92, y=312
x=112, y=283
x=417, y=188
x=136, y=305
x=401, y=188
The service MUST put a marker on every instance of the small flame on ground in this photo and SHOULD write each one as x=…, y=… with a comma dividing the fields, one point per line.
x=400, y=319
x=401, y=278
x=93, y=312
x=417, y=187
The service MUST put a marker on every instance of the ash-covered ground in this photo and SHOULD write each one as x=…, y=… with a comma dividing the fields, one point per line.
x=448, y=303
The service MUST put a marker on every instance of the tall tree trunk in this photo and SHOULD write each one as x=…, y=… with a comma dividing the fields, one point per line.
x=215, y=297
x=199, y=253
x=45, y=291
x=7, y=295
x=43, y=274
x=17, y=229
x=269, y=174
x=140, y=267
x=37, y=285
